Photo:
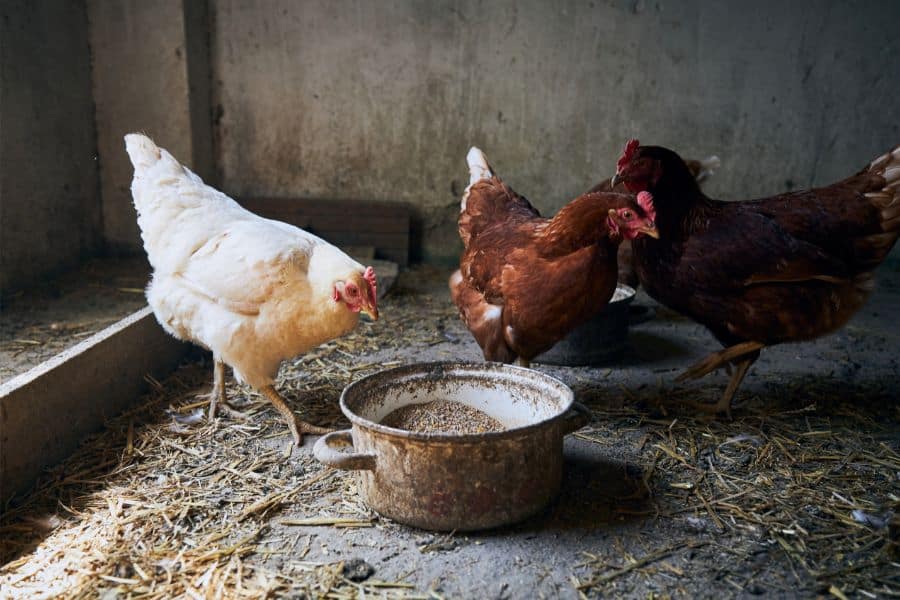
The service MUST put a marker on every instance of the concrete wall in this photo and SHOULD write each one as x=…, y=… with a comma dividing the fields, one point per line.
x=381, y=100
x=49, y=201
x=144, y=54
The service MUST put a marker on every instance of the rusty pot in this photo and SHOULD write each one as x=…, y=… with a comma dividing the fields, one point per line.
x=448, y=481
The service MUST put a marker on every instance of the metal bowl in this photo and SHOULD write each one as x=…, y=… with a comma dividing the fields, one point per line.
x=599, y=340
x=449, y=481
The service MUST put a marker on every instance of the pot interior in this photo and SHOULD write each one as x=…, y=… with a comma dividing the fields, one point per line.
x=514, y=396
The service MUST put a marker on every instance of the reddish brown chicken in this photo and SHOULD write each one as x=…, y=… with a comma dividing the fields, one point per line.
x=761, y=272
x=524, y=281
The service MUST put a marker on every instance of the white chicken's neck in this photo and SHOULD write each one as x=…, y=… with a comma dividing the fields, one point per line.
x=329, y=265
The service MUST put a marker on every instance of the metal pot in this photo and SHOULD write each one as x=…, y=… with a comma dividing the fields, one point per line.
x=447, y=481
x=599, y=340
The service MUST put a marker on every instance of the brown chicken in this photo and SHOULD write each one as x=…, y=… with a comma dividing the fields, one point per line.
x=700, y=169
x=761, y=272
x=524, y=281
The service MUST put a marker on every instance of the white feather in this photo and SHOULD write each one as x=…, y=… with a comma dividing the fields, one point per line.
x=478, y=170
x=252, y=290
x=493, y=312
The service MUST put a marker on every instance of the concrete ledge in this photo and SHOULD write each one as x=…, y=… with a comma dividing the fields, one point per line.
x=46, y=412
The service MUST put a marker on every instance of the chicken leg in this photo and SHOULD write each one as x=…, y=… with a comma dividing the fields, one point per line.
x=294, y=423
x=720, y=359
x=523, y=362
x=217, y=397
x=746, y=353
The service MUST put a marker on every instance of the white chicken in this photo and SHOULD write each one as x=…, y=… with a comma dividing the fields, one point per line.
x=253, y=291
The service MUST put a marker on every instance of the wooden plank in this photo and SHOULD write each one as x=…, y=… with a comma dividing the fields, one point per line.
x=362, y=238
x=384, y=225
x=46, y=412
x=325, y=207
x=388, y=246
x=352, y=222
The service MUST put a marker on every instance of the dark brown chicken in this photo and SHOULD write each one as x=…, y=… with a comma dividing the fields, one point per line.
x=524, y=281
x=700, y=169
x=761, y=272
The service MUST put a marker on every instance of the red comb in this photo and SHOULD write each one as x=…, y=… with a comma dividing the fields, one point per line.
x=369, y=276
x=630, y=148
x=645, y=201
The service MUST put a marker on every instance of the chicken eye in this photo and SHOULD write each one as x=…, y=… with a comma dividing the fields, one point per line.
x=352, y=290
x=627, y=214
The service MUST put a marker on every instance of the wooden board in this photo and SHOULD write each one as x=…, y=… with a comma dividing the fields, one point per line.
x=384, y=225
x=47, y=411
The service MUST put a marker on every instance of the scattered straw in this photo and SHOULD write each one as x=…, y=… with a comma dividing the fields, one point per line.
x=798, y=495
x=164, y=505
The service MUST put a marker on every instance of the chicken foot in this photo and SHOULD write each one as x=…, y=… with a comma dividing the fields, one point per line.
x=218, y=398
x=297, y=426
x=724, y=403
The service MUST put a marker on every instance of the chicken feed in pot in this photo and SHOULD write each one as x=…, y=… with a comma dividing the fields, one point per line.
x=444, y=416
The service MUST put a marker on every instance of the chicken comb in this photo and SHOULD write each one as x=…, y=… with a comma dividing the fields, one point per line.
x=369, y=276
x=645, y=201
x=629, y=152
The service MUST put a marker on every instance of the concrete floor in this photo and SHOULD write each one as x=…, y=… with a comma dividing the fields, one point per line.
x=603, y=509
x=656, y=501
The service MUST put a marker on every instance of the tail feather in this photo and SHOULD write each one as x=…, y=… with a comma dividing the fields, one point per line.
x=888, y=199
x=708, y=166
x=478, y=169
x=154, y=170
x=478, y=165
x=169, y=197
x=703, y=168
x=142, y=151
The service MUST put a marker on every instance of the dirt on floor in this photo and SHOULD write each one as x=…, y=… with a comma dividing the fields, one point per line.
x=41, y=322
x=793, y=497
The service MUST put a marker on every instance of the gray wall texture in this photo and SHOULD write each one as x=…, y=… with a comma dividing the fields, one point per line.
x=381, y=100
x=142, y=57
x=49, y=200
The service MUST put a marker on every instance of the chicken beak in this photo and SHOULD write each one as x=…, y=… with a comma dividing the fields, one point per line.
x=650, y=230
x=616, y=180
x=371, y=310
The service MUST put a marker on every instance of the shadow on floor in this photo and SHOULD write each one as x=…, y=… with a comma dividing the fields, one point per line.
x=646, y=348
x=596, y=492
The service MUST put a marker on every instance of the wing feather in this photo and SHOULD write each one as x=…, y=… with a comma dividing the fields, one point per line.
x=241, y=266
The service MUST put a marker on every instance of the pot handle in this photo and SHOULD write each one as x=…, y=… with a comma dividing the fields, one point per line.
x=577, y=417
x=325, y=452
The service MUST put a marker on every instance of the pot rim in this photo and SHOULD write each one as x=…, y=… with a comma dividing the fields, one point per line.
x=356, y=419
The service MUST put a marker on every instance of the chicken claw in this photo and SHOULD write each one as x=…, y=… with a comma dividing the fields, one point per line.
x=724, y=403
x=297, y=426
